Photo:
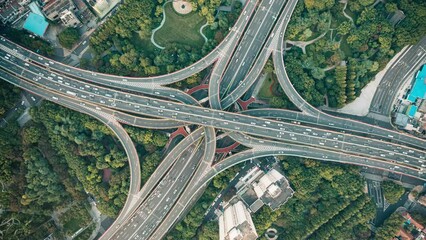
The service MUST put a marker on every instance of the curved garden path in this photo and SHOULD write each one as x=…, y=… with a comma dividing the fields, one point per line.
x=201, y=32
x=158, y=28
x=302, y=44
x=162, y=23
x=344, y=13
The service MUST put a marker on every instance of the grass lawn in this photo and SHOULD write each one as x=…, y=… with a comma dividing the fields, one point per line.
x=72, y=225
x=183, y=29
x=144, y=44
x=208, y=32
x=86, y=233
x=345, y=47
x=265, y=90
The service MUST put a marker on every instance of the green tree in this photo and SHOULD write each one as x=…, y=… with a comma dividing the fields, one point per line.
x=69, y=37
x=366, y=2
x=318, y=73
x=31, y=135
x=277, y=102
x=391, y=7
x=392, y=191
x=344, y=28
x=149, y=164
x=390, y=227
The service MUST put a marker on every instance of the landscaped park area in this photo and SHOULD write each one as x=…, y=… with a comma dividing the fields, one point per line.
x=148, y=38
x=180, y=28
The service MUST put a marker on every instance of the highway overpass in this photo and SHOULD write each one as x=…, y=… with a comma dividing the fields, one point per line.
x=150, y=212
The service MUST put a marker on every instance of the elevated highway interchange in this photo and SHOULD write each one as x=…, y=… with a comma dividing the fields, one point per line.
x=186, y=170
x=289, y=132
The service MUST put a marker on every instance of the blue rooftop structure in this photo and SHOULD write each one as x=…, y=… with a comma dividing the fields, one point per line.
x=35, y=9
x=36, y=24
x=419, y=87
x=411, y=111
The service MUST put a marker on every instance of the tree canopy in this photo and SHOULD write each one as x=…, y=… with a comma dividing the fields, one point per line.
x=392, y=191
x=69, y=37
x=356, y=47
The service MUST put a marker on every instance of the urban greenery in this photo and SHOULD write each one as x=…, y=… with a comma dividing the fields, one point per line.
x=57, y=160
x=390, y=227
x=392, y=191
x=149, y=145
x=122, y=45
x=75, y=217
x=343, y=53
x=328, y=203
x=184, y=28
x=86, y=147
x=9, y=96
x=271, y=91
x=24, y=39
x=69, y=37
x=191, y=226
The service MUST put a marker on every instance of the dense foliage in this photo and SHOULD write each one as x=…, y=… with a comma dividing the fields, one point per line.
x=9, y=95
x=23, y=38
x=123, y=46
x=328, y=201
x=392, y=191
x=149, y=145
x=206, y=8
x=341, y=62
x=390, y=227
x=69, y=37
x=58, y=158
x=87, y=147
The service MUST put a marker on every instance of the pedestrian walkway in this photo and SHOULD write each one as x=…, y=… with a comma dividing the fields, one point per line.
x=244, y=104
x=197, y=88
x=228, y=149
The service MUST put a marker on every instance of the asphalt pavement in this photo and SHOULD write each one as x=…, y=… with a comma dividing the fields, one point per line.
x=176, y=185
x=401, y=71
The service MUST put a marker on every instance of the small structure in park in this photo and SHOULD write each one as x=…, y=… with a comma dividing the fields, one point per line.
x=271, y=234
x=182, y=7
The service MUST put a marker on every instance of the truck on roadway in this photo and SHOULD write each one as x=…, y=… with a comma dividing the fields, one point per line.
x=71, y=93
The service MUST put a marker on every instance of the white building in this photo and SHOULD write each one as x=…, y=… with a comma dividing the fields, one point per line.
x=267, y=184
x=236, y=224
x=68, y=18
x=257, y=188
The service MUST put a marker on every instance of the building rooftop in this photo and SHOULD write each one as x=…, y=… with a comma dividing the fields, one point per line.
x=270, y=188
x=236, y=224
x=403, y=235
x=422, y=106
x=274, y=202
x=35, y=8
x=419, y=87
x=36, y=24
x=412, y=221
x=401, y=119
x=411, y=111
x=254, y=207
x=422, y=200
x=9, y=11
